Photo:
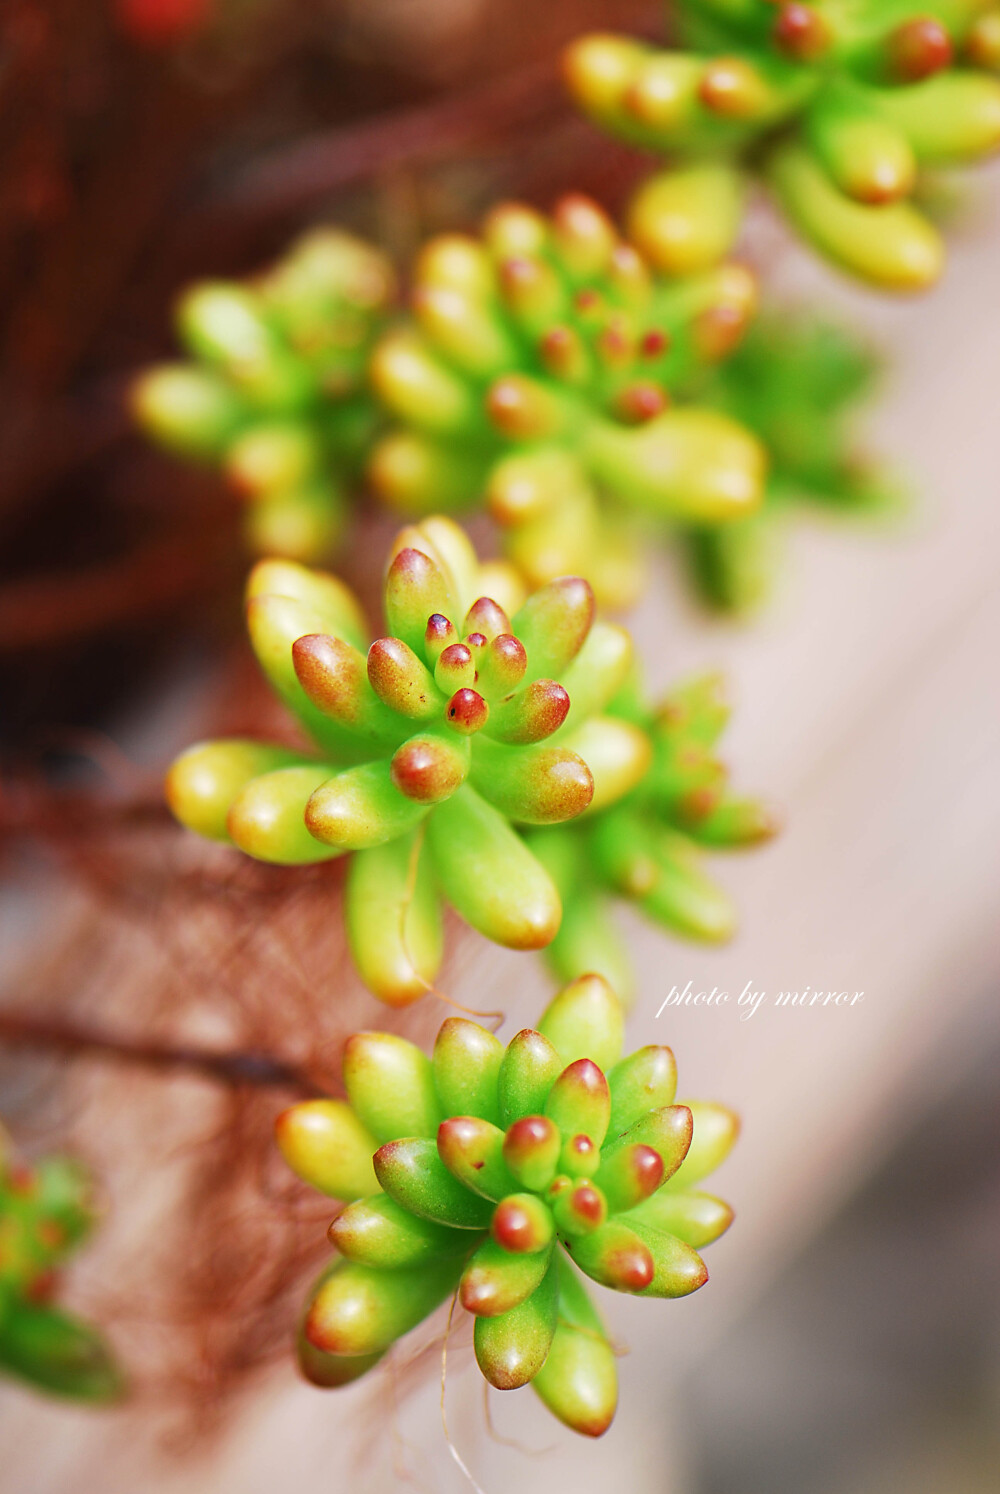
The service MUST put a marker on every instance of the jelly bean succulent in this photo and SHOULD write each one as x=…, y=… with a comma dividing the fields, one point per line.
x=501, y=1174
x=478, y=712
x=46, y=1211
x=275, y=394
x=538, y=373
x=842, y=105
x=648, y=847
x=796, y=381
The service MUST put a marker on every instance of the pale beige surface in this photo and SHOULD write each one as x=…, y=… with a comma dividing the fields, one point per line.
x=869, y=708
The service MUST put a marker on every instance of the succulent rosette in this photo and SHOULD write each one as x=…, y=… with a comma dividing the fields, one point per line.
x=501, y=1174
x=46, y=1211
x=649, y=846
x=275, y=392
x=842, y=105
x=542, y=371
x=797, y=382
x=478, y=713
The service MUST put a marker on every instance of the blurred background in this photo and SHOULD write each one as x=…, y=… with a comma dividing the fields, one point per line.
x=849, y=1340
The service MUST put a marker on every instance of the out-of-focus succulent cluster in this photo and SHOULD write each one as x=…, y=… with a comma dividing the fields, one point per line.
x=538, y=373
x=649, y=846
x=795, y=381
x=46, y=1211
x=500, y=1174
x=589, y=395
x=842, y=107
x=275, y=393
x=478, y=712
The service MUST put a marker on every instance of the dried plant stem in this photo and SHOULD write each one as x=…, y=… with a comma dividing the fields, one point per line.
x=294, y=177
x=23, y=1030
x=40, y=611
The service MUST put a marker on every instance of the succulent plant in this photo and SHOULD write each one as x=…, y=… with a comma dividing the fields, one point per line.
x=46, y=1211
x=842, y=107
x=648, y=846
x=275, y=394
x=537, y=373
x=477, y=713
x=501, y=1174
x=796, y=382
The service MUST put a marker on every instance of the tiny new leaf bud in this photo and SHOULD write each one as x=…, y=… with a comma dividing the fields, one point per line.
x=579, y=1208
x=466, y=712
x=439, y=634
x=531, y=1148
x=522, y=1223
x=579, y=1156
x=501, y=668
x=455, y=668
x=487, y=618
